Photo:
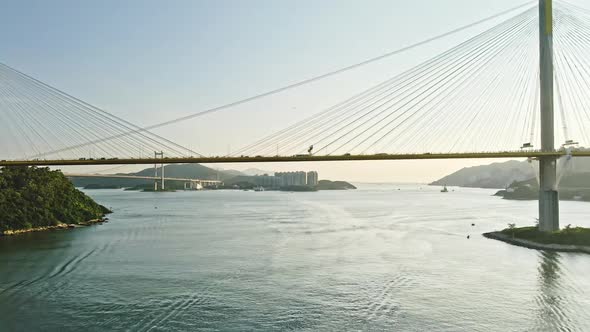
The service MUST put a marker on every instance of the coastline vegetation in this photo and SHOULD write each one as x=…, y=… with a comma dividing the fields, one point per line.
x=38, y=198
x=567, y=236
x=334, y=185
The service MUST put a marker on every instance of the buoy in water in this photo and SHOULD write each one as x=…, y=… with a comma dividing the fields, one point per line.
x=468, y=237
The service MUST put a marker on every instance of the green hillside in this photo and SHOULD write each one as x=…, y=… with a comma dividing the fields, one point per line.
x=33, y=197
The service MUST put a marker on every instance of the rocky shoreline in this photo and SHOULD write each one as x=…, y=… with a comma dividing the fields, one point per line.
x=57, y=227
x=535, y=245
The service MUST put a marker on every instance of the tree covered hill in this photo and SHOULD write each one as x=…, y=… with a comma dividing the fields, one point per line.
x=32, y=197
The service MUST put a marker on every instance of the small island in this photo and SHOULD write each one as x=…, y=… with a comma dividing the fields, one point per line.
x=334, y=185
x=37, y=199
x=569, y=239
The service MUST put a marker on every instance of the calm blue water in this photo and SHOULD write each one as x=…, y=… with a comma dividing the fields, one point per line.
x=374, y=259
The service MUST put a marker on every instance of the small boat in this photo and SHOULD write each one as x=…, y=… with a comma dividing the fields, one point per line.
x=444, y=190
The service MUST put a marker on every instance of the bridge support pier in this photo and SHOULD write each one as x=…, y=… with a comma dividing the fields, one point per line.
x=548, y=196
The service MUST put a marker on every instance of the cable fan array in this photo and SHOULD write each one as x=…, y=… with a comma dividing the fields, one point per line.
x=38, y=121
x=572, y=73
x=481, y=95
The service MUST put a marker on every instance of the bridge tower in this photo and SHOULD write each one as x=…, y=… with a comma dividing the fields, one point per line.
x=156, y=155
x=548, y=195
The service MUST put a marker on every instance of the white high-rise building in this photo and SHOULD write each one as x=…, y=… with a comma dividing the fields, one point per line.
x=312, y=178
x=292, y=178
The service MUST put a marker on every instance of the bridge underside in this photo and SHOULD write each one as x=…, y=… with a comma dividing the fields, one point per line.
x=300, y=158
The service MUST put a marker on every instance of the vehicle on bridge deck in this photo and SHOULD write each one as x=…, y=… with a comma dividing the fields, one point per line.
x=526, y=145
x=569, y=142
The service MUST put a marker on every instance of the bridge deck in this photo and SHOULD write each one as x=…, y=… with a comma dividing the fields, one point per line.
x=298, y=158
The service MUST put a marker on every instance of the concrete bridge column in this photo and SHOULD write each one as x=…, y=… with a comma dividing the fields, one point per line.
x=548, y=195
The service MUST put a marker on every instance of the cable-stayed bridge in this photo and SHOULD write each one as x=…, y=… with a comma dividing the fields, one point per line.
x=519, y=88
x=297, y=158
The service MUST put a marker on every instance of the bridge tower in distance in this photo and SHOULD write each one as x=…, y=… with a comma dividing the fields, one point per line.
x=548, y=195
x=156, y=155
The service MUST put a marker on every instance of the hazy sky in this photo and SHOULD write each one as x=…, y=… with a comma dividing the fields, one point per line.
x=151, y=61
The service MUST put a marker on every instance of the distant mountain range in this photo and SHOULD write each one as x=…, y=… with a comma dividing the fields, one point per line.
x=502, y=175
x=194, y=171
x=248, y=172
x=256, y=171
x=496, y=175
